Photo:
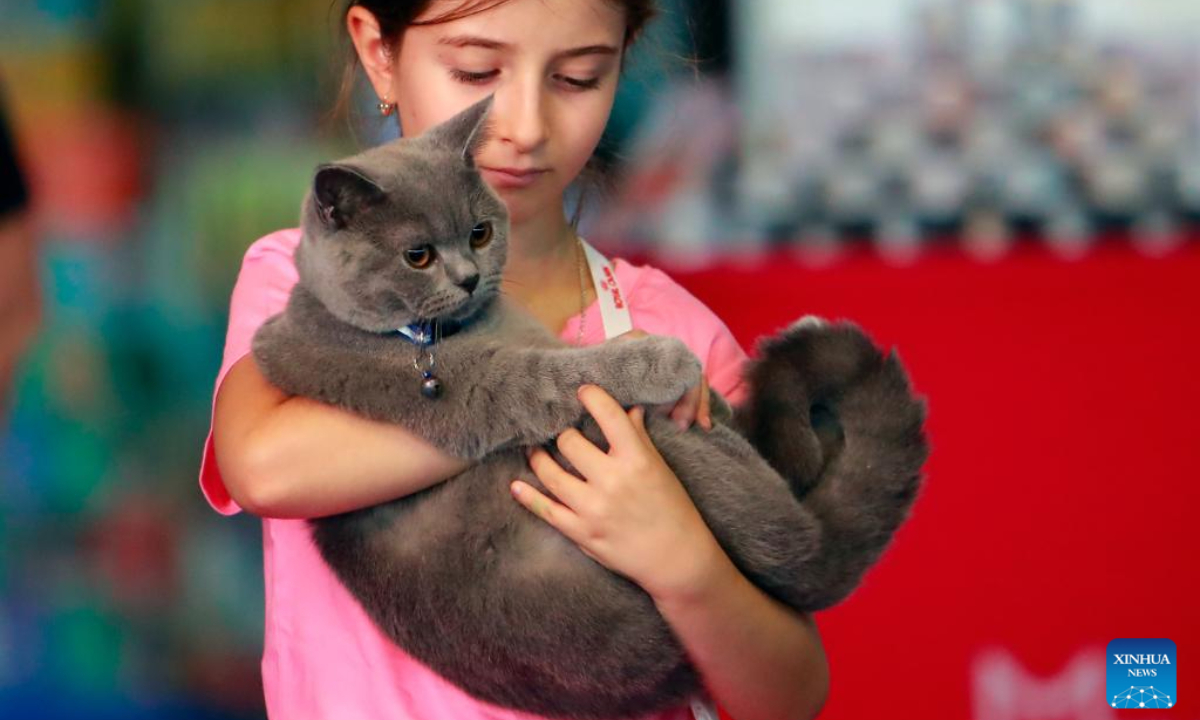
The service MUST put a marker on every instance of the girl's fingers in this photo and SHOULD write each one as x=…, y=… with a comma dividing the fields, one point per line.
x=588, y=459
x=609, y=415
x=637, y=417
x=684, y=411
x=558, y=516
x=565, y=486
x=705, y=414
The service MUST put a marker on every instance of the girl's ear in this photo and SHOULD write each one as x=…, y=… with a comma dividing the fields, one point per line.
x=342, y=192
x=464, y=133
x=373, y=53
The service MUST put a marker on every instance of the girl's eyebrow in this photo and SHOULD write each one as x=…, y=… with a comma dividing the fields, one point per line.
x=461, y=41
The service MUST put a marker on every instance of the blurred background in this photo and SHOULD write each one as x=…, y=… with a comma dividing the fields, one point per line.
x=1007, y=191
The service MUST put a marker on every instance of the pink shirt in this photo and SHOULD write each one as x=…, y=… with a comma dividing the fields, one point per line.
x=322, y=655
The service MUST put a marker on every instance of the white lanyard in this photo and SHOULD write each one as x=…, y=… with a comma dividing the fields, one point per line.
x=703, y=709
x=615, y=314
x=613, y=310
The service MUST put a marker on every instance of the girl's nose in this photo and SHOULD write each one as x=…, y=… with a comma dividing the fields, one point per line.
x=519, y=115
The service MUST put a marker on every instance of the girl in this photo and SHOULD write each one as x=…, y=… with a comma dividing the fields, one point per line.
x=553, y=69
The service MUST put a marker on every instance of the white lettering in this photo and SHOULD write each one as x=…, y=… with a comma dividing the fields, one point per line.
x=1141, y=659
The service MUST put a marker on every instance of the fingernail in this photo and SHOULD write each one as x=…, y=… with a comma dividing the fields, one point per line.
x=515, y=487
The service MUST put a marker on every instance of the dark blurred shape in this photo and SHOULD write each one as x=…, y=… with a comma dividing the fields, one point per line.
x=20, y=305
x=14, y=192
x=712, y=33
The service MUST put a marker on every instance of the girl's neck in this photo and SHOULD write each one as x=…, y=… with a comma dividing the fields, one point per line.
x=543, y=271
x=541, y=255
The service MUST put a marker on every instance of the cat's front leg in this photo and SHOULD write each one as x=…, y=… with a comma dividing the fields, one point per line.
x=651, y=370
x=494, y=395
x=648, y=370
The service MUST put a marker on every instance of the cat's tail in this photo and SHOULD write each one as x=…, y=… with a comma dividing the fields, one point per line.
x=837, y=418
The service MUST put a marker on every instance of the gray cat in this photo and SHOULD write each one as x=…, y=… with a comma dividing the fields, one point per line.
x=803, y=486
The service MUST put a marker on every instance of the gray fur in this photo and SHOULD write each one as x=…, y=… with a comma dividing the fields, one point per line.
x=464, y=578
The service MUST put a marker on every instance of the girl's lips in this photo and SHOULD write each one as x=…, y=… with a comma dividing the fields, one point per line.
x=510, y=178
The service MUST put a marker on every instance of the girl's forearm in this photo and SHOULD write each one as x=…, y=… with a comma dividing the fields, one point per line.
x=760, y=660
x=291, y=457
x=326, y=461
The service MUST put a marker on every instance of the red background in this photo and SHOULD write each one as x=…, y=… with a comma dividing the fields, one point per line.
x=1056, y=516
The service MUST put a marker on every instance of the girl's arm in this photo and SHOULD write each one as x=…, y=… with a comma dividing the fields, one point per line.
x=291, y=457
x=758, y=657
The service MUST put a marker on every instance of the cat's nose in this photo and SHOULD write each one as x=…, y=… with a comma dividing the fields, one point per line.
x=470, y=283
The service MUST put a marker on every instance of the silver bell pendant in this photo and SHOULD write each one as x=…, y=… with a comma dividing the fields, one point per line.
x=431, y=386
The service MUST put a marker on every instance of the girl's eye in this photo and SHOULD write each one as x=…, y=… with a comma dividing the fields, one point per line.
x=578, y=84
x=473, y=78
x=481, y=234
x=419, y=257
x=479, y=78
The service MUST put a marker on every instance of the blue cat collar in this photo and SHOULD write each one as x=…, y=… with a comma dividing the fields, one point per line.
x=427, y=332
x=424, y=334
x=418, y=333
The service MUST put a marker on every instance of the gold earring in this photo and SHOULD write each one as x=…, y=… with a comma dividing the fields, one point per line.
x=386, y=108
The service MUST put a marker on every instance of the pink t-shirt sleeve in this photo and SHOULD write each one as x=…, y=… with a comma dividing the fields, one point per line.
x=262, y=289
x=725, y=365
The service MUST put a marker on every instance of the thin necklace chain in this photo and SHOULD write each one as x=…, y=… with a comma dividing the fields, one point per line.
x=582, y=290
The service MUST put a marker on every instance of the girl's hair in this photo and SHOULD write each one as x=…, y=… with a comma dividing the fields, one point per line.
x=394, y=16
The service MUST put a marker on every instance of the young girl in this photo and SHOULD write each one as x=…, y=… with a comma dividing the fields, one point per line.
x=553, y=69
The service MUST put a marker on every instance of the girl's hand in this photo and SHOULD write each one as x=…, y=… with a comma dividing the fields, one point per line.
x=630, y=513
x=693, y=406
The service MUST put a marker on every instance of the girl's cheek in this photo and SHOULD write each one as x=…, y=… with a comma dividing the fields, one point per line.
x=591, y=115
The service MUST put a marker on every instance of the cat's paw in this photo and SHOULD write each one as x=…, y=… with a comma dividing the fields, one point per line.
x=660, y=370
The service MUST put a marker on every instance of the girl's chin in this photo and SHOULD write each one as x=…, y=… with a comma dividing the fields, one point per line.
x=523, y=208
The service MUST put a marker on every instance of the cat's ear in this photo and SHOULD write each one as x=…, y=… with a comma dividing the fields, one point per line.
x=341, y=192
x=466, y=132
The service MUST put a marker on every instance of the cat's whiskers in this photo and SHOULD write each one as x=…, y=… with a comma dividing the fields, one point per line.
x=436, y=304
x=489, y=286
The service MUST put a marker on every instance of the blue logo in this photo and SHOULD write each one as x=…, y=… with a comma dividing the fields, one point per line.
x=1141, y=673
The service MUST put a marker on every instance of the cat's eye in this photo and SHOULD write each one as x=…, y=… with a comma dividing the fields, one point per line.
x=481, y=234
x=419, y=257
